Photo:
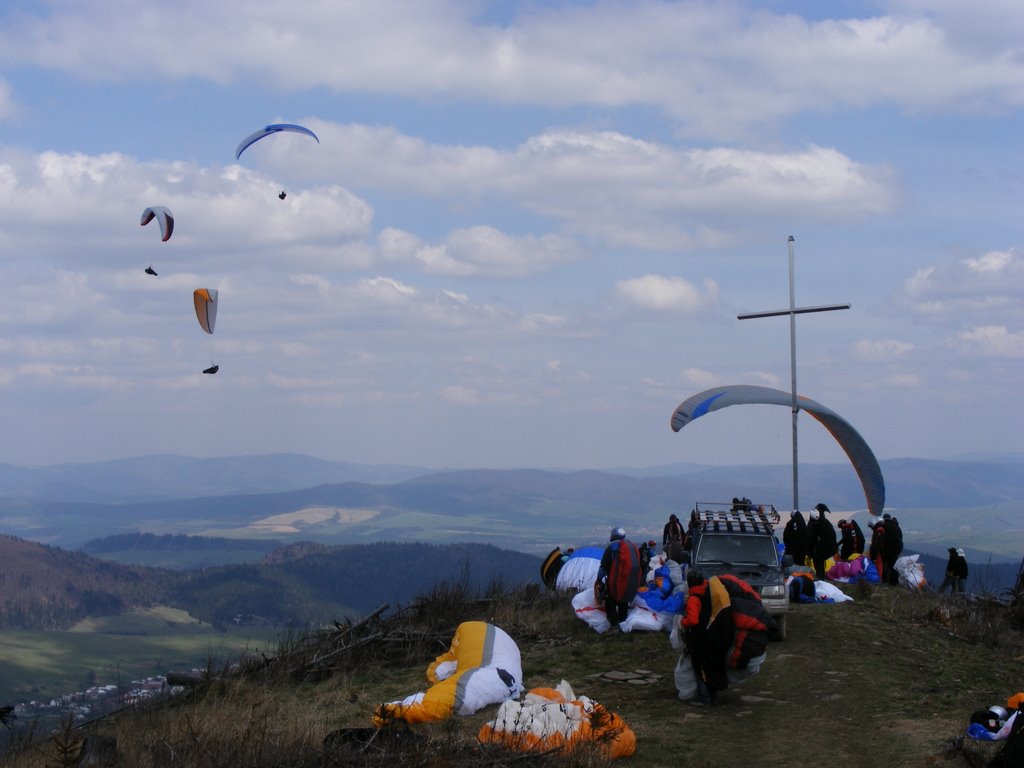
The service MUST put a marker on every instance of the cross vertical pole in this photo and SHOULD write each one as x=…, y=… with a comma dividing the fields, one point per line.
x=793, y=311
x=792, y=369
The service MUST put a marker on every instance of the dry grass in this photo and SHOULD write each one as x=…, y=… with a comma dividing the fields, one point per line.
x=890, y=679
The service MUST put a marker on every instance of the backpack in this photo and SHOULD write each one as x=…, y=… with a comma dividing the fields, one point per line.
x=624, y=573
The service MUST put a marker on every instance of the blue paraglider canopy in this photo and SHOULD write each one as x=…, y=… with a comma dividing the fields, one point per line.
x=269, y=130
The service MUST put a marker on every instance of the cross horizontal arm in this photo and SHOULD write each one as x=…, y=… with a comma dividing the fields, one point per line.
x=795, y=311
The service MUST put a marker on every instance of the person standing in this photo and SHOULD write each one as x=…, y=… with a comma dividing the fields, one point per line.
x=950, y=578
x=647, y=552
x=673, y=531
x=794, y=537
x=692, y=525
x=821, y=539
x=892, y=548
x=618, y=576
x=956, y=572
x=876, y=547
x=847, y=544
x=858, y=537
x=961, y=572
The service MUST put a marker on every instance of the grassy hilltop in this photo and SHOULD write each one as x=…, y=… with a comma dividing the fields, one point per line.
x=890, y=679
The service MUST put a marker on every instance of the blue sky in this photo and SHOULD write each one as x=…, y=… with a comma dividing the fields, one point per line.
x=524, y=236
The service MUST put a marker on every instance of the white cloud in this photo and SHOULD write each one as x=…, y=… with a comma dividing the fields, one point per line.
x=667, y=294
x=480, y=251
x=328, y=400
x=992, y=262
x=52, y=199
x=715, y=68
x=991, y=341
x=898, y=380
x=229, y=217
x=992, y=25
x=819, y=177
x=881, y=349
x=543, y=323
x=766, y=378
x=68, y=377
x=388, y=303
x=990, y=285
x=460, y=395
x=384, y=291
x=602, y=185
x=700, y=378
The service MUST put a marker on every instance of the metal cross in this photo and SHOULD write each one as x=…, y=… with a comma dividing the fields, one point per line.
x=793, y=311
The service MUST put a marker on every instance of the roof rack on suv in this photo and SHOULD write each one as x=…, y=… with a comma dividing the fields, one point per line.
x=752, y=518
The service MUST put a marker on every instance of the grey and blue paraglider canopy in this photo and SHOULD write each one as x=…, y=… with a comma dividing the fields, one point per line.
x=270, y=130
x=857, y=449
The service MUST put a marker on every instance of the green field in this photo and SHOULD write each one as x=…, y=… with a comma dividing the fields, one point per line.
x=37, y=665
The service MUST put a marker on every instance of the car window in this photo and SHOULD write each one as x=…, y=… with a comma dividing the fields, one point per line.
x=737, y=549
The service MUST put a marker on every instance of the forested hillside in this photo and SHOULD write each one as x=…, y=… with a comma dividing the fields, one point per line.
x=331, y=582
x=43, y=587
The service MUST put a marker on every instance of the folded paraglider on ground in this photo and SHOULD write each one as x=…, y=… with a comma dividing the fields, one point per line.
x=655, y=604
x=555, y=718
x=481, y=667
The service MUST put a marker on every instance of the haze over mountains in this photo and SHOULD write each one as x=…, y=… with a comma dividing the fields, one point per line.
x=150, y=478
x=290, y=497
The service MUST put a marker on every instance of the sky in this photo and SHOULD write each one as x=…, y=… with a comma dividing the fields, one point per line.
x=524, y=235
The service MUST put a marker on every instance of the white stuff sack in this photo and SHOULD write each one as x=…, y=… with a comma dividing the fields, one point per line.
x=686, y=678
x=910, y=571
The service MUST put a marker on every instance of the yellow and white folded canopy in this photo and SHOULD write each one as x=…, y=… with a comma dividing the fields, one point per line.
x=481, y=667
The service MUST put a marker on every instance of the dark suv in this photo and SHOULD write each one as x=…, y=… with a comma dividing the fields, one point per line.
x=740, y=539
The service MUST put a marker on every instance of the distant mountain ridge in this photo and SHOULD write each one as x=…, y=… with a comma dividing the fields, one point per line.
x=150, y=478
x=966, y=503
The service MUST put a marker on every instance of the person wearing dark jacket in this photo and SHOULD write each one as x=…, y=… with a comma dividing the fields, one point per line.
x=821, y=539
x=794, y=537
x=618, y=576
x=892, y=548
x=956, y=572
x=851, y=539
x=673, y=531
x=692, y=525
x=877, y=548
x=858, y=537
x=725, y=625
x=707, y=657
x=846, y=543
